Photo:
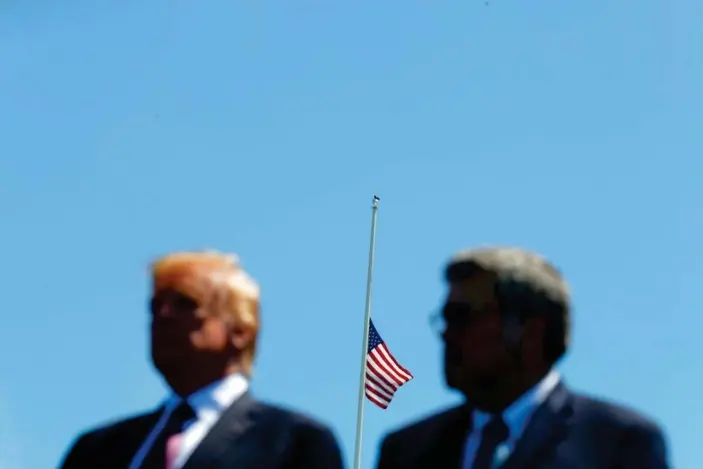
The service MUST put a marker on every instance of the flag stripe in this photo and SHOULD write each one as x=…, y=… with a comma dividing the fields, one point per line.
x=378, y=391
x=375, y=382
x=391, y=364
x=396, y=366
x=385, y=368
x=382, y=372
x=388, y=384
x=382, y=403
x=384, y=375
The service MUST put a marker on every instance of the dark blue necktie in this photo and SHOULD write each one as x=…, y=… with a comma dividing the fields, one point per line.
x=493, y=434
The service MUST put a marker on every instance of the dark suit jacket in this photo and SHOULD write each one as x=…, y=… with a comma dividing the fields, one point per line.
x=249, y=435
x=568, y=431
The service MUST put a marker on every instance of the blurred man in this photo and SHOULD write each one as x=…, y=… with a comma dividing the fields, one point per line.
x=505, y=324
x=204, y=326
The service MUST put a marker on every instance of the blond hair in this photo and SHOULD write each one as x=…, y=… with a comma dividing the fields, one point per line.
x=218, y=283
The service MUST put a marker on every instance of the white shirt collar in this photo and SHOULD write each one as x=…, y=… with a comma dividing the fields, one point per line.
x=517, y=415
x=215, y=397
x=208, y=403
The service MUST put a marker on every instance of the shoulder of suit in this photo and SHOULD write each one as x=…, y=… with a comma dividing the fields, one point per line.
x=425, y=425
x=295, y=418
x=115, y=427
x=614, y=413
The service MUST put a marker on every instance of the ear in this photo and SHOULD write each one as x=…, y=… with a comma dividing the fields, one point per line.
x=241, y=337
x=533, y=337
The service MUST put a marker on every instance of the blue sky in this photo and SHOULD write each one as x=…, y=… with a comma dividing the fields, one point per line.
x=132, y=128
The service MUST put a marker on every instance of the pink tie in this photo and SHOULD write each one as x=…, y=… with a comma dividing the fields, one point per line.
x=172, y=446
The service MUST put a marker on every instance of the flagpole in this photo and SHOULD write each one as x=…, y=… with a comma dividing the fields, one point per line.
x=365, y=341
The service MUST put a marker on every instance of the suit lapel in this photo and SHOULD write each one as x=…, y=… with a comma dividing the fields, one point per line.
x=231, y=426
x=546, y=428
x=445, y=449
x=134, y=435
x=128, y=439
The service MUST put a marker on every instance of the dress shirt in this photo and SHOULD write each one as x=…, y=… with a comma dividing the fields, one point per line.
x=208, y=404
x=516, y=417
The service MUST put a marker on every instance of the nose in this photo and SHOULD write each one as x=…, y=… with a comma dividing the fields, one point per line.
x=437, y=324
x=447, y=336
x=451, y=333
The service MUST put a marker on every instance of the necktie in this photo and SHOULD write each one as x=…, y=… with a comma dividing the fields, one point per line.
x=493, y=434
x=156, y=458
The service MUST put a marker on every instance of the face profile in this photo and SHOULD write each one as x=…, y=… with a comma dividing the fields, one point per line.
x=204, y=316
x=474, y=353
x=184, y=333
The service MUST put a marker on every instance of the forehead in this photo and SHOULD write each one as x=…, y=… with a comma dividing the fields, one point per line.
x=169, y=293
x=477, y=290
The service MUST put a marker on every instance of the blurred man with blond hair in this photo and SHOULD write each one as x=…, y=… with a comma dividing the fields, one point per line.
x=204, y=327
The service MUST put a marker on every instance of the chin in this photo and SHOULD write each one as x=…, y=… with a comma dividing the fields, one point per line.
x=167, y=361
x=452, y=377
x=451, y=384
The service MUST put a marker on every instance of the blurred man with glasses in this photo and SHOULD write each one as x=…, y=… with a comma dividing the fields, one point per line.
x=504, y=325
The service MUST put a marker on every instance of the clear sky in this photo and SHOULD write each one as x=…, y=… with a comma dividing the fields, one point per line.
x=132, y=128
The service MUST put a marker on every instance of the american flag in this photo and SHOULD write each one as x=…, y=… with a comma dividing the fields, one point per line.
x=384, y=375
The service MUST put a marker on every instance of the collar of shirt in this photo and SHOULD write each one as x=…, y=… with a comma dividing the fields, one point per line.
x=517, y=415
x=209, y=402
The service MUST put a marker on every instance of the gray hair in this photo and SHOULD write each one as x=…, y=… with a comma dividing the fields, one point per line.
x=527, y=283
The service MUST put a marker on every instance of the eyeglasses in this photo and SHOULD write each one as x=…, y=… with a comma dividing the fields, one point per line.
x=174, y=302
x=455, y=316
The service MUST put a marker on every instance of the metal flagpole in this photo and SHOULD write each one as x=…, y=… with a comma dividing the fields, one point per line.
x=365, y=341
